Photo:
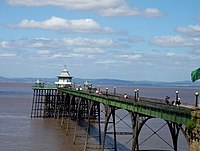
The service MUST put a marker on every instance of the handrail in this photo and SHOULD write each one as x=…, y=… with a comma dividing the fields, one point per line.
x=44, y=87
x=147, y=106
x=144, y=106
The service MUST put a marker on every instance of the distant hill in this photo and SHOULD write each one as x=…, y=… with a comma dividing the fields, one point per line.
x=32, y=80
x=115, y=82
x=144, y=83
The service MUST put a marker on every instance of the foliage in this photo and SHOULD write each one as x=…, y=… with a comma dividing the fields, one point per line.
x=191, y=124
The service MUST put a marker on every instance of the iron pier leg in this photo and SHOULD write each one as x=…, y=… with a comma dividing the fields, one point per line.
x=63, y=116
x=94, y=109
x=138, y=122
x=174, y=129
x=135, y=121
x=109, y=111
x=114, y=127
x=77, y=119
x=107, y=117
x=90, y=103
x=71, y=99
x=33, y=103
x=99, y=122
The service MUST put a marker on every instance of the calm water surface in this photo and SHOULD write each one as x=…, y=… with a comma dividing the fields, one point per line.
x=18, y=132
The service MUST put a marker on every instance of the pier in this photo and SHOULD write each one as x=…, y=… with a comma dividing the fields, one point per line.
x=83, y=107
x=89, y=114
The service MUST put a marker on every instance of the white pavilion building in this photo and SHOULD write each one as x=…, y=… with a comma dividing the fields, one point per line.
x=39, y=82
x=64, y=79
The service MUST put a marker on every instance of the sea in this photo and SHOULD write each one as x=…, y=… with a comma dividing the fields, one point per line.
x=20, y=132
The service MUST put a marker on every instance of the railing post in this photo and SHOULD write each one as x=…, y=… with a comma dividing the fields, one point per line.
x=197, y=95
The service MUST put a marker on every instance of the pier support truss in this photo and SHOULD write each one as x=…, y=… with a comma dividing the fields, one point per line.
x=98, y=126
x=43, y=103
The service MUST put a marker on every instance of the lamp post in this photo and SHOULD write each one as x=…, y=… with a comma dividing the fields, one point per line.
x=196, y=94
x=114, y=90
x=106, y=91
x=135, y=95
x=176, y=95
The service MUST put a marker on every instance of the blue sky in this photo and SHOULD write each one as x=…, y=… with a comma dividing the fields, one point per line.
x=122, y=39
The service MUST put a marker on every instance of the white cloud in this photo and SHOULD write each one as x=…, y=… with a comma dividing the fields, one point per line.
x=125, y=10
x=191, y=30
x=71, y=26
x=152, y=13
x=4, y=44
x=106, y=62
x=37, y=45
x=80, y=47
x=120, y=11
x=103, y=7
x=133, y=39
x=69, y=4
x=75, y=55
x=89, y=44
x=68, y=55
x=130, y=57
x=170, y=54
x=90, y=51
x=43, y=52
x=7, y=55
x=42, y=39
x=102, y=42
x=175, y=41
x=57, y=55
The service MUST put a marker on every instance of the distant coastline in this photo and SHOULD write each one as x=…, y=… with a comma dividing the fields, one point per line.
x=115, y=82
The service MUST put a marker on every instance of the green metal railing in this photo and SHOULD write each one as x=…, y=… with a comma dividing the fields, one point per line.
x=44, y=87
x=150, y=107
x=155, y=108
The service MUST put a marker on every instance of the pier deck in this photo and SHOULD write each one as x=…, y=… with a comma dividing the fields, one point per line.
x=76, y=104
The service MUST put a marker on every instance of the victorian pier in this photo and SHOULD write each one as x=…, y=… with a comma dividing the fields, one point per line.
x=83, y=109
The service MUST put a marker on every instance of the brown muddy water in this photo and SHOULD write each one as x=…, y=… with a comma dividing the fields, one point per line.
x=18, y=132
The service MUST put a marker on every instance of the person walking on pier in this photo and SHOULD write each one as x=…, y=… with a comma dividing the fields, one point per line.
x=125, y=96
x=178, y=102
x=167, y=100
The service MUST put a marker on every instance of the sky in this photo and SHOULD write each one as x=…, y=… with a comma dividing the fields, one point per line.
x=135, y=40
